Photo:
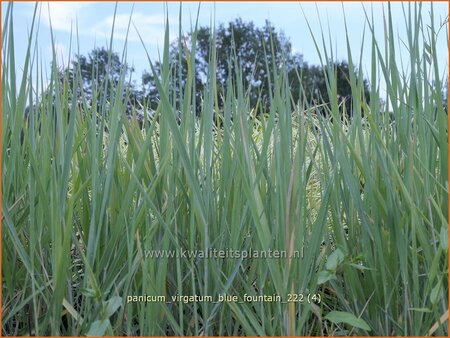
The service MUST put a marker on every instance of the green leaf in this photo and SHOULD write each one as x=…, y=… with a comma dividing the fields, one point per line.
x=333, y=261
x=112, y=305
x=420, y=309
x=89, y=292
x=348, y=318
x=434, y=294
x=444, y=238
x=98, y=328
x=325, y=276
x=360, y=267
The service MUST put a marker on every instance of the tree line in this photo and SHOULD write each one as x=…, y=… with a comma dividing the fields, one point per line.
x=257, y=49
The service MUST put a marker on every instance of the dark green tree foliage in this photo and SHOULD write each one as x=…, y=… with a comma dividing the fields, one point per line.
x=254, y=48
x=314, y=83
x=101, y=71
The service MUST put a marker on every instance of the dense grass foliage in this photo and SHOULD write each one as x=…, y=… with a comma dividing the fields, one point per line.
x=86, y=193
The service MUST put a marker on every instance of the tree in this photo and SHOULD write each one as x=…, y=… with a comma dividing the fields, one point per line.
x=101, y=71
x=255, y=48
x=314, y=83
x=101, y=65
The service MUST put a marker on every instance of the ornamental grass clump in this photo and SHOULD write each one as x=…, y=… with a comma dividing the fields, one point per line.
x=107, y=227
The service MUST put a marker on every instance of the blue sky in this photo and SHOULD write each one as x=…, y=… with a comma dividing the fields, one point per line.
x=94, y=21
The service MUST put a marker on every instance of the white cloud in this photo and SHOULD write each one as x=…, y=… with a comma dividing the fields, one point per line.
x=150, y=28
x=61, y=14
